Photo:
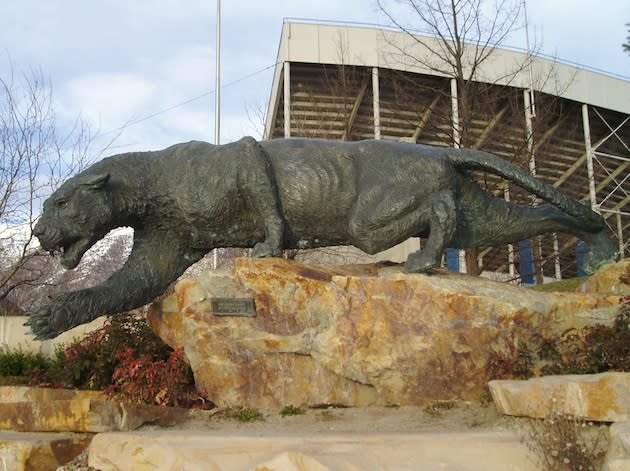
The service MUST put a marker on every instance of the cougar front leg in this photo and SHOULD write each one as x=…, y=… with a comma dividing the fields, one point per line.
x=261, y=193
x=152, y=265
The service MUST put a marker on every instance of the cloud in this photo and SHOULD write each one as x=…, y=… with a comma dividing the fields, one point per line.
x=106, y=101
x=189, y=69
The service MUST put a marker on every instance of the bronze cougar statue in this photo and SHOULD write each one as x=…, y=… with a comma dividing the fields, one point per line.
x=272, y=195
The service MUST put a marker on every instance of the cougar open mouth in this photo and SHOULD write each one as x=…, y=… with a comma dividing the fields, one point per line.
x=72, y=252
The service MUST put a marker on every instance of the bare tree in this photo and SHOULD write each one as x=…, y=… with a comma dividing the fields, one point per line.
x=466, y=36
x=626, y=46
x=34, y=157
x=462, y=37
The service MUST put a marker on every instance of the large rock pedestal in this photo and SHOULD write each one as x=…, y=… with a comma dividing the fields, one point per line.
x=356, y=335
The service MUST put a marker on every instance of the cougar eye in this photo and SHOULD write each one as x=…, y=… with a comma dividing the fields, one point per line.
x=62, y=203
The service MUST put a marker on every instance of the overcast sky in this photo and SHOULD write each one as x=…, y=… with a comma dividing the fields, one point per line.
x=133, y=63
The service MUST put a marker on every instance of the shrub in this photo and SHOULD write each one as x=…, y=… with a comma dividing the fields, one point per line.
x=567, y=443
x=594, y=349
x=20, y=363
x=141, y=380
x=48, y=376
x=515, y=361
x=291, y=410
x=90, y=363
x=246, y=414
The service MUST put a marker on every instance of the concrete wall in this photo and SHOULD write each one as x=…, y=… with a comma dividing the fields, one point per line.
x=14, y=335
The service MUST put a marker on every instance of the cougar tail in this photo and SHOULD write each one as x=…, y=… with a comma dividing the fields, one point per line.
x=470, y=159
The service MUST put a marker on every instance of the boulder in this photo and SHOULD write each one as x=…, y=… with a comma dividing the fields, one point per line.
x=603, y=397
x=355, y=335
x=26, y=409
x=613, y=278
x=39, y=451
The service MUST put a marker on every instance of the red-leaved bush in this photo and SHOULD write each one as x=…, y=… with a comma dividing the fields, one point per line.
x=142, y=380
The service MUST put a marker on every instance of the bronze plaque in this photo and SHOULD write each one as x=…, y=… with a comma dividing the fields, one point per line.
x=243, y=307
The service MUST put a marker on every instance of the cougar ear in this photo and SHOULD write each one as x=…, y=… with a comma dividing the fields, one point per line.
x=95, y=182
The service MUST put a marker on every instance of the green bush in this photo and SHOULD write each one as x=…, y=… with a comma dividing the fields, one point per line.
x=20, y=363
x=246, y=414
x=291, y=410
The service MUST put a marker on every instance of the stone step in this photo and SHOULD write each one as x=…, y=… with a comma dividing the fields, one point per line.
x=26, y=409
x=39, y=451
x=603, y=397
x=173, y=450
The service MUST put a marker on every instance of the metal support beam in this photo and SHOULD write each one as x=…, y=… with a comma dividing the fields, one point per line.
x=456, y=143
x=546, y=136
x=613, y=132
x=355, y=110
x=287, y=98
x=589, y=157
x=424, y=119
x=510, y=247
x=529, y=128
x=556, y=258
x=376, y=103
x=617, y=187
x=455, y=114
x=570, y=171
x=611, y=176
x=620, y=235
x=488, y=129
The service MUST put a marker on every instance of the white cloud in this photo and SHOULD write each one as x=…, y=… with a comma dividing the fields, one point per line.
x=106, y=101
x=189, y=69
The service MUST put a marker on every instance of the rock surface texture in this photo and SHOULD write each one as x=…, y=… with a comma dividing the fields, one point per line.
x=356, y=335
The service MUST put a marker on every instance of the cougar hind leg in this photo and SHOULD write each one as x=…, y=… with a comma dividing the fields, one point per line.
x=377, y=227
x=392, y=221
x=602, y=250
x=442, y=224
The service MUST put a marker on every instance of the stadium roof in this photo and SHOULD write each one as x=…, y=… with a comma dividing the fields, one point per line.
x=369, y=46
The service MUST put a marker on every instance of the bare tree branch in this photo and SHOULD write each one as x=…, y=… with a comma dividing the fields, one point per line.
x=35, y=156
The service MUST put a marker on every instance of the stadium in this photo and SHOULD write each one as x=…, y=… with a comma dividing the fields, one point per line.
x=567, y=124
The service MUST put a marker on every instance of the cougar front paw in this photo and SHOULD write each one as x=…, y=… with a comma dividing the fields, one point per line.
x=50, y=320
x=267, y=249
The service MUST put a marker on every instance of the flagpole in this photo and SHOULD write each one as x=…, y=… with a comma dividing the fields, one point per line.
x=217, y=103
x=217, y=85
